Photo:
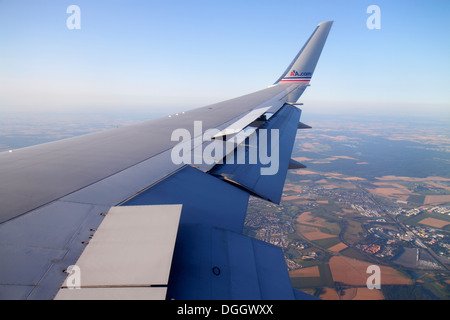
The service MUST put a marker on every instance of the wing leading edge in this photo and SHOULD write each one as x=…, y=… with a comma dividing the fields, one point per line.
x=43, y=230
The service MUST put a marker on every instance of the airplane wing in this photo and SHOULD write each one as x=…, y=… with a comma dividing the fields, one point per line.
x=155, y=210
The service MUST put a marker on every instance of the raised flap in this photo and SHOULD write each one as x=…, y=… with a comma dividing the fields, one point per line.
x=240, y=124
x=132, y=248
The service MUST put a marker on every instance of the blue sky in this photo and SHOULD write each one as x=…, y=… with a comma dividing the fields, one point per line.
x=168, y=56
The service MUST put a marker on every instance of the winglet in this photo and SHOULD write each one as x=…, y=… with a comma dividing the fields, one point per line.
x=302, y=67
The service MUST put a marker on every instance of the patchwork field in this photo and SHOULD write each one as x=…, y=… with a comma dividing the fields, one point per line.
x=437, y=199
x=368, y=294
x=339, y=247
x=357, y=176
x=305, y=272
x=353, y=272
x=434, y=222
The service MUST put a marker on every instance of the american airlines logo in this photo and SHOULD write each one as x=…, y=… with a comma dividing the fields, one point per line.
x=301, y=74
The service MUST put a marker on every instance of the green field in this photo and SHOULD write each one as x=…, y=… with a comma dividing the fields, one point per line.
x=415, y=220
x=327, y=243
x=325, y=279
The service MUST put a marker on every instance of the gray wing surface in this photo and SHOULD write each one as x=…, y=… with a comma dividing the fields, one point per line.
x=115, y=205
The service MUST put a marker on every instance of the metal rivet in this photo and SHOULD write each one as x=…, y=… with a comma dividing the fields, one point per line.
x=216, y=271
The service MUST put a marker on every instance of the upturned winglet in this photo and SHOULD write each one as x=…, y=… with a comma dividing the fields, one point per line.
x=302, y=67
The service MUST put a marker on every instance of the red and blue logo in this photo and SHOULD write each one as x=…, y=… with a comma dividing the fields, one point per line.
x=298, y=76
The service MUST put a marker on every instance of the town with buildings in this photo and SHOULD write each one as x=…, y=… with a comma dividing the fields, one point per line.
x=385, y=228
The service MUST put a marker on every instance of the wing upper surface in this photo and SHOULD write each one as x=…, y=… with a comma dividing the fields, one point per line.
x=72, y=164
x=54, y=196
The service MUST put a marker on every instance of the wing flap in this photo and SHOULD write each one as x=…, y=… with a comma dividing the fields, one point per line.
x=301, y=125
x=132, y=248
x=212, y=259
x=205, y=199
x=243, y=122
x=293, y=164
x=137, y=293
x=259, y=178
x=213, y=263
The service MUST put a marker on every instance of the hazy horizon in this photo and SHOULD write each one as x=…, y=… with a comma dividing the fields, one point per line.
x=177, y=55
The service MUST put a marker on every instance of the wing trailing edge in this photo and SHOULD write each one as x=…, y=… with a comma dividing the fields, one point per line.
x=265, y=180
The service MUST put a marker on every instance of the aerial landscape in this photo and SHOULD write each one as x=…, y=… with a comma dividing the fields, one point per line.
x=373, y=193
x=365, y=205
